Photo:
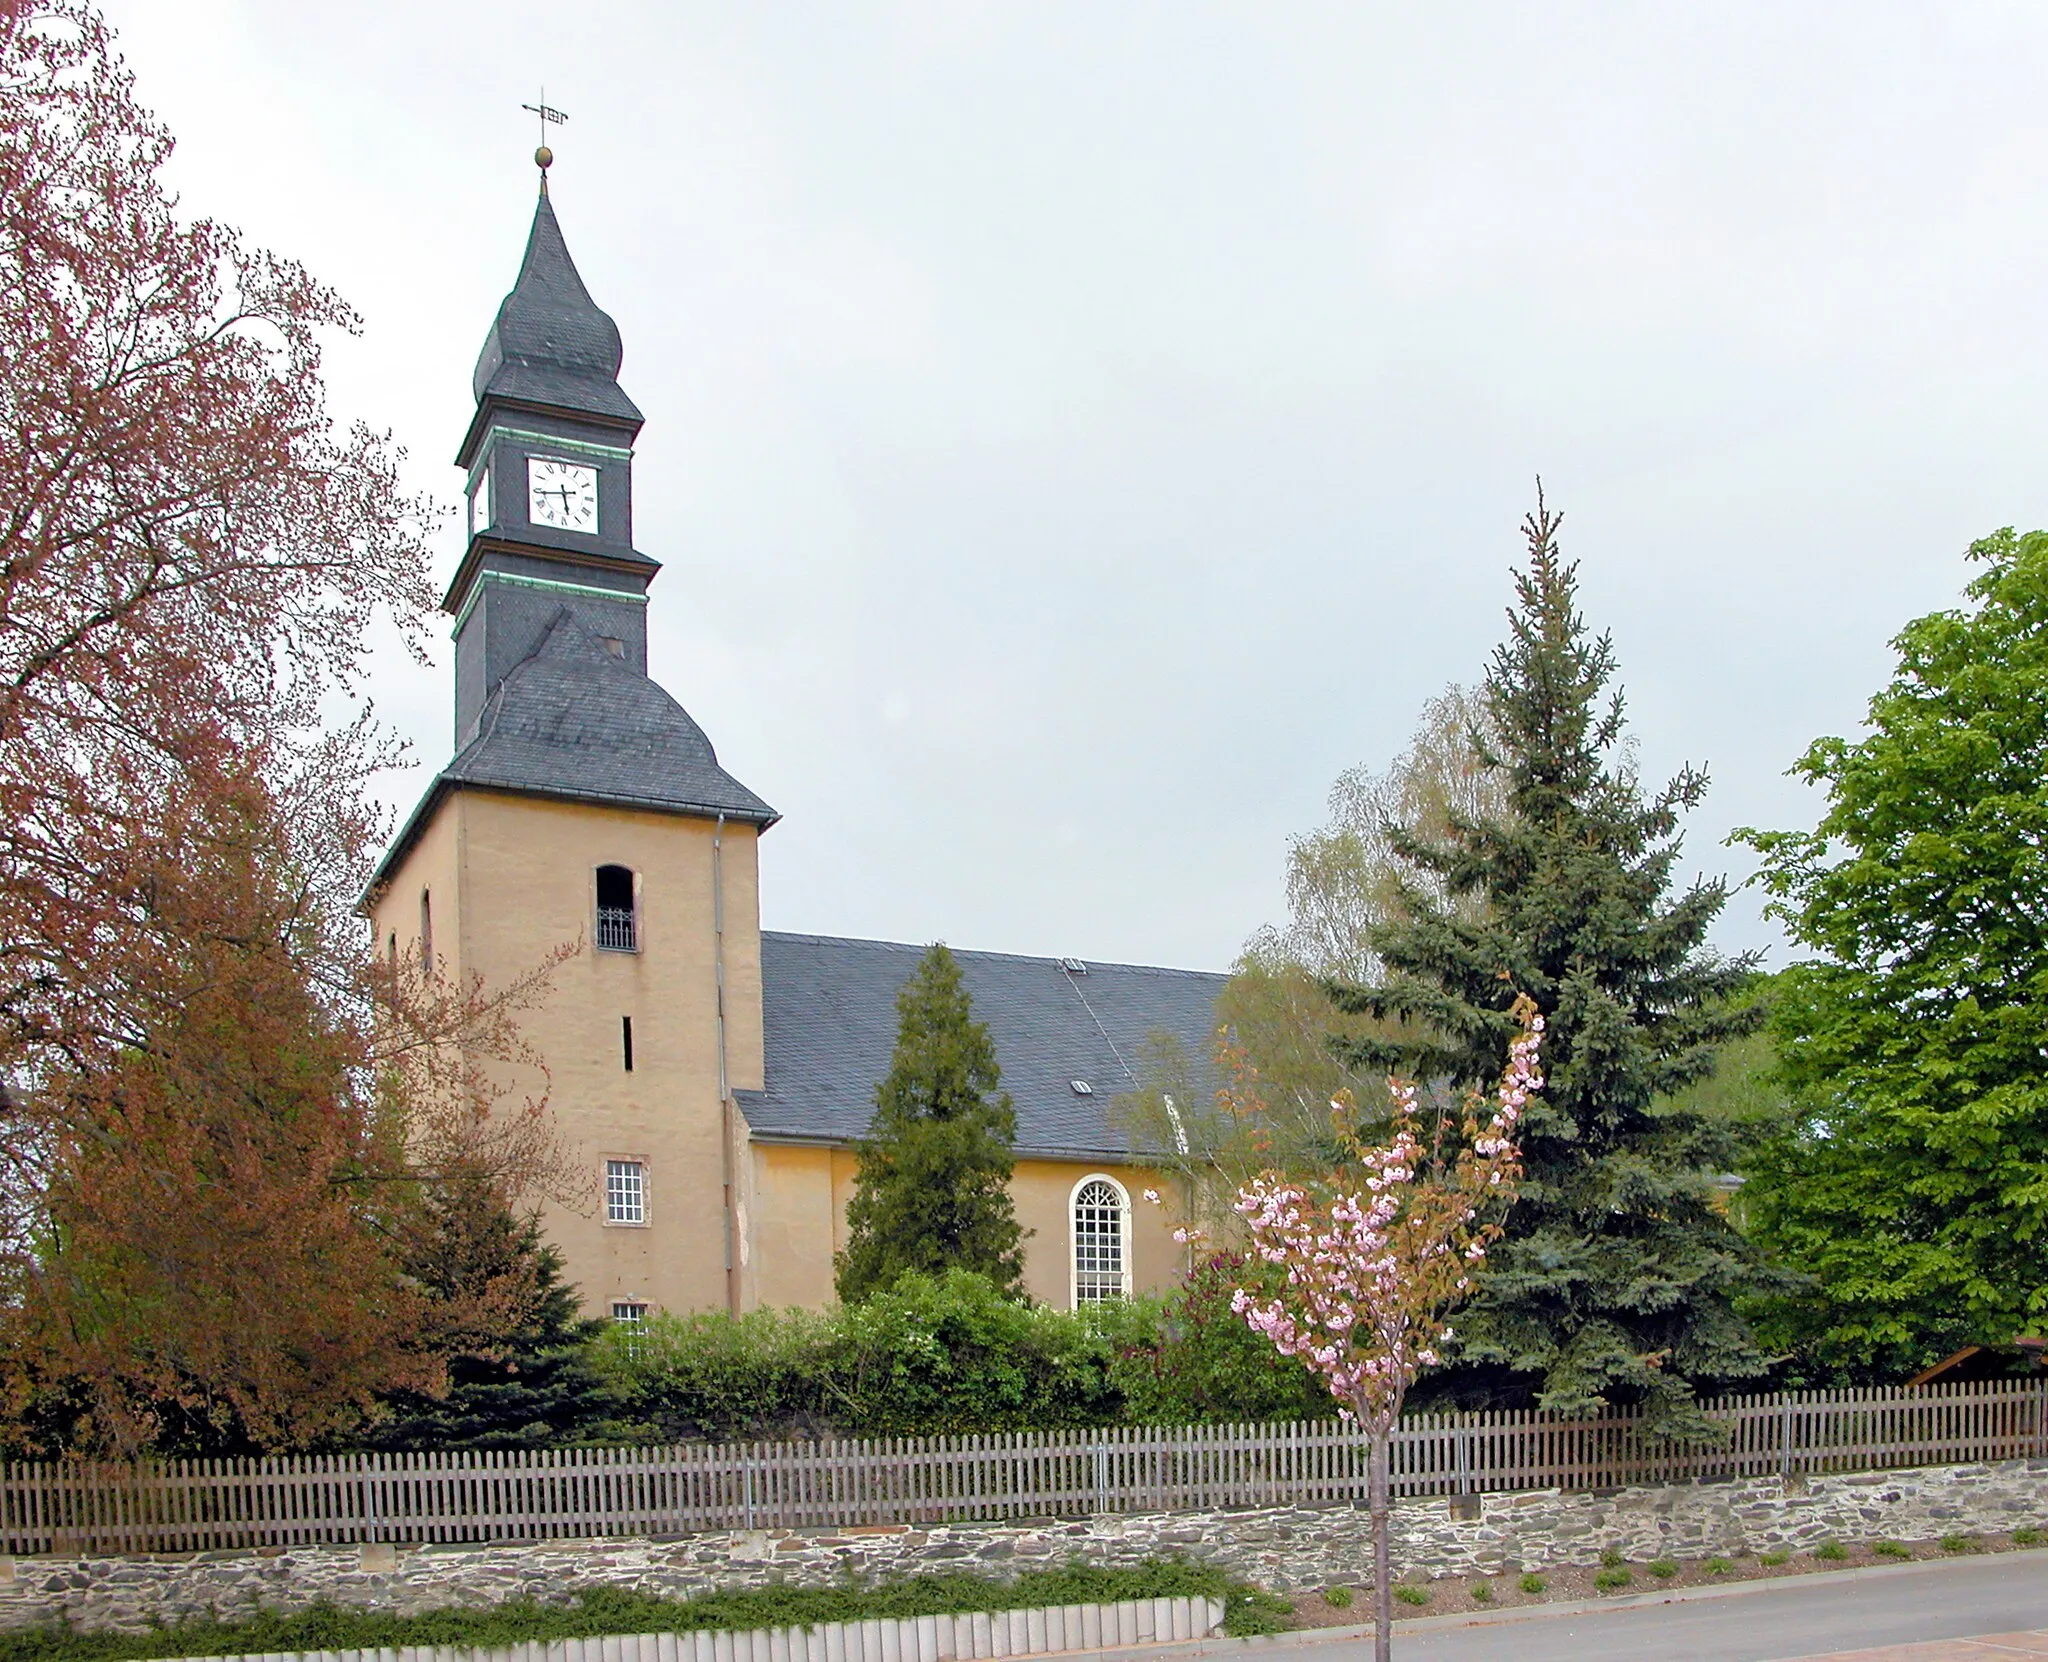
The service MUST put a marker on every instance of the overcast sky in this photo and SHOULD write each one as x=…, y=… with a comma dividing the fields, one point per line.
x=1078, y=432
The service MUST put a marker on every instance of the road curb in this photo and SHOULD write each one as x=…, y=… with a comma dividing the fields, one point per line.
x=1221, y=1645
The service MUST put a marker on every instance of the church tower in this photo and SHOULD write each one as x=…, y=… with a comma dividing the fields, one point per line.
x=582, y=803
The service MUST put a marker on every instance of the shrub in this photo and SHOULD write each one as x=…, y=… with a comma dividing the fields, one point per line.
x=939, y=1355
x=1252, y=1610
x=1891, y=1549
x=1958, y=1543
x=1189, y=1358
x=1608, y=1580
x=1411, y=1595
x=1663, y=1568
x=1773, y=1558
x=1337, y=1598
x=1532, y=1584
x=1718, y=1566
x=1831, y=1550
x=1610, y=1558
x=2026, y=1536
x=1481, y=1591
x=951, y=1355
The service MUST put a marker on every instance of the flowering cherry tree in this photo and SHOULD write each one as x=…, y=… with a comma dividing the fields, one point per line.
x=1375, y=1256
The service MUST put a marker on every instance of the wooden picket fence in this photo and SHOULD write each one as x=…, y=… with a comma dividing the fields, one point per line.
x=190, y=1505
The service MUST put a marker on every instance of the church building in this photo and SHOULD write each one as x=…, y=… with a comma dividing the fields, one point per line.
x=713, y=1077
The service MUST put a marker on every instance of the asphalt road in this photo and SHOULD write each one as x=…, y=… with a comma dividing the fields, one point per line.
x=1809, y=1615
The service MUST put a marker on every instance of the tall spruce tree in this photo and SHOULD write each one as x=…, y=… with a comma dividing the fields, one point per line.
x=932, y=1191
x=1617, y=1279
x=520, y=1372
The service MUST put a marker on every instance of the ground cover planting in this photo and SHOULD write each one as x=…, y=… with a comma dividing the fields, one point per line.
x=617, y=1610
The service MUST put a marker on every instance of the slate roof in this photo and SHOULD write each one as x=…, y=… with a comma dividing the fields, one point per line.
x=830, y=1009
x=572, y=720
x=550, y=344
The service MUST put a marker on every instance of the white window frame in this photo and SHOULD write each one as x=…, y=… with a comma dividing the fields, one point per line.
x=631, y=1312
x=1123, y=1196
x=616, y=1167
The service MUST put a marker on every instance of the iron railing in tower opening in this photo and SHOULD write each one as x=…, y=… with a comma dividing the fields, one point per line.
x=194, y=1505
x=615, y=930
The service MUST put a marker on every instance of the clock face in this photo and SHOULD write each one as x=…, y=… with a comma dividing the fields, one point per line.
x=480, y=504
x=561, y=494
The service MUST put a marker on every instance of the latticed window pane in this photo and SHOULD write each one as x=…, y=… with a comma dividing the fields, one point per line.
x=1099, y=1271
x=625, y=1191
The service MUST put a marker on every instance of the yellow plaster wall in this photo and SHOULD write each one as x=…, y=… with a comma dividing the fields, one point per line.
x=797, y=1219
x=524, y=872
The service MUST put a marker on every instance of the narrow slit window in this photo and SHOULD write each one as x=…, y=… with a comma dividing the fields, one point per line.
x=618, y=925
x=1101, y=1242
x=625, y=1191
x=626, y=1040
x=427, y=930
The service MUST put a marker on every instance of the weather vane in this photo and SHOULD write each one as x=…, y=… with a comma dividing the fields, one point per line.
x=543, y=157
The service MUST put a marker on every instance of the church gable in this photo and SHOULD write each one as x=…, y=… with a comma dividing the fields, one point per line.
x=829, y=1015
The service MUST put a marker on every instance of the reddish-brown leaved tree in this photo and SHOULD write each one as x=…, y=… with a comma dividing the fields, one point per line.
x=216, y=1106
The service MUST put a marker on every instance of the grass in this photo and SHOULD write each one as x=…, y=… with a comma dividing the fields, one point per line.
x=1481, y=1591
x=1610, y=1558
x=1609, y=1580
x=1958, y=1543
x=1891, y=1549
x=1663, y=1568
x=1772, y=1559
x=1719, y=1566
x=1337, y=1598
x=1532, y=1584
x=2026, y=1536
x=1412, y=1595
x=1831, y=1550
x=604, y=1610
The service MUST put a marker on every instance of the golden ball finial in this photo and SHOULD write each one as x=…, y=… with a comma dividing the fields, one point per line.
x=543, y=158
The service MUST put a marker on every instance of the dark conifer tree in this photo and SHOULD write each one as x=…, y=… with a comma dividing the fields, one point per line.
x=521, y=1374
x=932, y=1191
x=1617, y=1279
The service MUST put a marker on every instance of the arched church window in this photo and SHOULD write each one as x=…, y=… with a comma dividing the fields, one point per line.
x=617, y=925
x=1102, y=1241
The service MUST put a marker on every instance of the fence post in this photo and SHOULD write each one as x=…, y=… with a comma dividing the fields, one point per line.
x=1785, y=1438
x=1101, y=1475
x=1464, y=1459
x=2041, y=1420
x=747, y=1476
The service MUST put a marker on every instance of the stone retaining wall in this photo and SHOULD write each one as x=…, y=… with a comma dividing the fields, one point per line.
x=1281, y=1547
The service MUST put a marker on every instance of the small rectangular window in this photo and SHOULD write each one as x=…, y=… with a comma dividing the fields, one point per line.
x=625, y=1191
x=626, y=1037
x=628, y=1310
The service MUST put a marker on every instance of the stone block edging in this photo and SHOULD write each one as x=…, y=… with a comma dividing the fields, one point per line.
x=968, y=1636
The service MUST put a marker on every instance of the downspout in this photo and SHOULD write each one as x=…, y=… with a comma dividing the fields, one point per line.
x=726, y=1125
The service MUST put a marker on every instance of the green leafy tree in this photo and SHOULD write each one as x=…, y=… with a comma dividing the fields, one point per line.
x=1617, y=1280
x=521, y=1371
x=1913, y=1184
x=1345, y=880
x=932, y=1190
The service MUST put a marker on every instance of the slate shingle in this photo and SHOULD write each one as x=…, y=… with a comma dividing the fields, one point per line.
x=550, y=344
x=572, y=720
x=830, y=1010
